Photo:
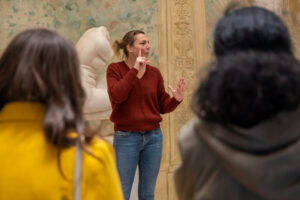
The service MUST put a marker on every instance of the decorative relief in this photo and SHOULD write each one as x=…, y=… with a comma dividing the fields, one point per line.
x=184, y=51
x=184, y=65
x=181, y=2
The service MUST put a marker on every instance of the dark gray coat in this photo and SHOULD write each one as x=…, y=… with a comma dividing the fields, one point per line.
x=230, y=163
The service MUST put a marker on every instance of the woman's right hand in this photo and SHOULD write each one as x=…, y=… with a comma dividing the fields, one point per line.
x=141, y=62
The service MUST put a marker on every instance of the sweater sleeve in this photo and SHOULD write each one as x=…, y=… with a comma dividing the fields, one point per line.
x=118, y=86
x=167, y=104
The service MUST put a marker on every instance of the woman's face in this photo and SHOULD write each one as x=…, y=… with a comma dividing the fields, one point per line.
x=141, y=43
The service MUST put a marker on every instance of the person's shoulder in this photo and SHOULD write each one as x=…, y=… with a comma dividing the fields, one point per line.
x=100, y=171
x=189, y=138
x=101, y=148
x=188, y=132
x=100, y=157
x=116, y=64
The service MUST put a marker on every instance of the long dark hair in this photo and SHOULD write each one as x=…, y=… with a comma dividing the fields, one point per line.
x=40, y=66
x=255, y=74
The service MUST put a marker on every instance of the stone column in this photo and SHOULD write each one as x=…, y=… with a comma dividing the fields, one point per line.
x=182, y=51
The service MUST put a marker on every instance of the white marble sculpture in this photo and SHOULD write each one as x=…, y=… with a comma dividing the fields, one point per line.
x=95, y=52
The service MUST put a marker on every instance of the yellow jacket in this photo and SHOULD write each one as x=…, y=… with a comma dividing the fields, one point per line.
x=29, y=169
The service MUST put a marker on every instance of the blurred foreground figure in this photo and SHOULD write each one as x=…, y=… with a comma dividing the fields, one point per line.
x=41, y=121
x=244, y=142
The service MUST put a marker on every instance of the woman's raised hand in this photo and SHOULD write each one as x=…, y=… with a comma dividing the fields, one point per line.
x=178, y=94
x=141, y=62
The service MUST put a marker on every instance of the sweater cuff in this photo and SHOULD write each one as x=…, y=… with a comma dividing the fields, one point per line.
x=174, y=103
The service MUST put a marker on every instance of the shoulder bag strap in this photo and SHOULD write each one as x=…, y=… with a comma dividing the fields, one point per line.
x=77, y=173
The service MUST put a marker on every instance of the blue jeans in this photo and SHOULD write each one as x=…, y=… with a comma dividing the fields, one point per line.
x=143, y=149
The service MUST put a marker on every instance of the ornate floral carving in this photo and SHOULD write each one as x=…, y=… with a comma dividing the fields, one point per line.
x=184, y=60
x=181, y=2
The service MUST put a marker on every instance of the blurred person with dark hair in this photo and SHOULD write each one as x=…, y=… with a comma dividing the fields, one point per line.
x=41, y=123
x=244, y=142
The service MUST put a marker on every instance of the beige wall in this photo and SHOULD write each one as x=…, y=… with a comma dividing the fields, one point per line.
x=72, y=17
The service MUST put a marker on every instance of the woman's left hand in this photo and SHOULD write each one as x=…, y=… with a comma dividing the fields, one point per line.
x=179, y=92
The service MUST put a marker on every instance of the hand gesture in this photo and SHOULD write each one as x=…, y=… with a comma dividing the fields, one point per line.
x=141, y=61
x=178, y=94
x=140, y=64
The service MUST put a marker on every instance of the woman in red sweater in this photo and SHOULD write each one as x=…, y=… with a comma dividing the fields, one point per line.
x=138, y=98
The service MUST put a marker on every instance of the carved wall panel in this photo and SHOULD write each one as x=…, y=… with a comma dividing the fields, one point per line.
x=183, y=64
x=182, y=44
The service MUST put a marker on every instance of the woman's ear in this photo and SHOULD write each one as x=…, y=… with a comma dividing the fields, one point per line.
x=129, y=48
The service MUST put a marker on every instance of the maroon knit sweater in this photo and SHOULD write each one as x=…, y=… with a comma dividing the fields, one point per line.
x=137, y=103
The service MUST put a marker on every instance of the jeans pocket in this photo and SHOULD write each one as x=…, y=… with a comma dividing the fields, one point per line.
x=157, y=131
x=121, y=134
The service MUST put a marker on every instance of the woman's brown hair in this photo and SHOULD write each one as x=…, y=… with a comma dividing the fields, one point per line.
x=128, y=39
x=40, y=66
